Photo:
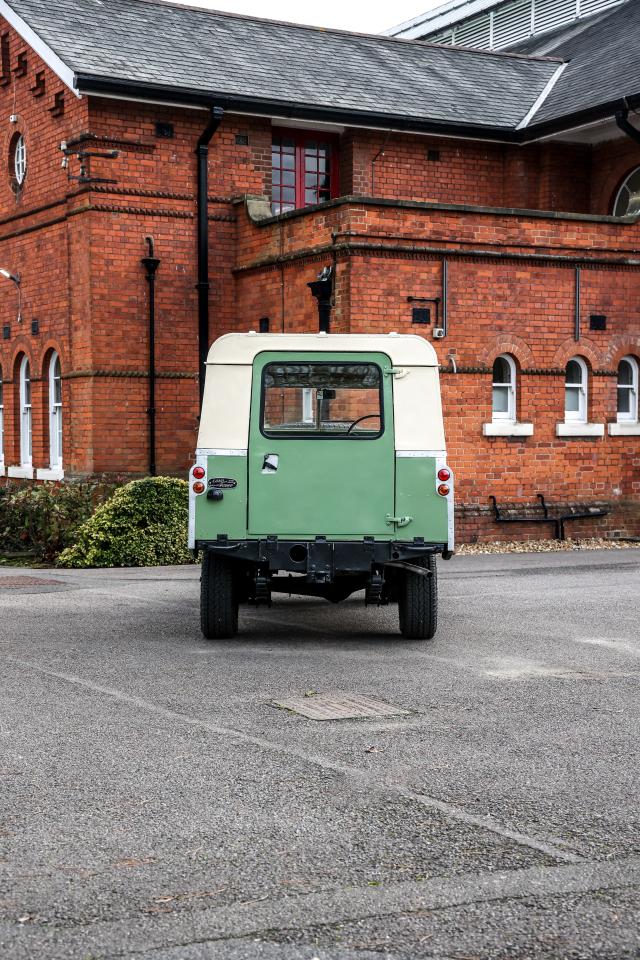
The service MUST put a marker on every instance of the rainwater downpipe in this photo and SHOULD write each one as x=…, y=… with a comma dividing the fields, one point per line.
x=622, y=120
x=203, y=285
x=576, y=319
x=151, y=264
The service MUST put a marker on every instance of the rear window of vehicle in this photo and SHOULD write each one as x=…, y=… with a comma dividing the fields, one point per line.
x=341, y=401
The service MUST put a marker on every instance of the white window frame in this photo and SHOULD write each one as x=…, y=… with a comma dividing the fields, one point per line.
x=579, y=415
x=632, y=389
x=308, y=406
x=26, y=422
x=20, y=160
x=508, y=415
x=55, y=415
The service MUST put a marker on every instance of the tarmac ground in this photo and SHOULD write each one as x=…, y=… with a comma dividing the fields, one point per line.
x=155, y=804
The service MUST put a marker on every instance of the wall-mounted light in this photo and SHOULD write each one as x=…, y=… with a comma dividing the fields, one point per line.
x=15, y=278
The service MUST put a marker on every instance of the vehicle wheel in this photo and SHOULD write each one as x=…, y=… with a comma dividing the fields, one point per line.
x=418, y=601
x=218, y=598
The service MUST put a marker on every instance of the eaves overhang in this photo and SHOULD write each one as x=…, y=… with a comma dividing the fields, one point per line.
x=91, y=84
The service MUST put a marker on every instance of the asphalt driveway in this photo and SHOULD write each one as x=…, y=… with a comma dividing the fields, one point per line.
x=155, y=804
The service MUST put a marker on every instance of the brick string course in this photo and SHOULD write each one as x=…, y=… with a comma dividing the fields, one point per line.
x=511, y=285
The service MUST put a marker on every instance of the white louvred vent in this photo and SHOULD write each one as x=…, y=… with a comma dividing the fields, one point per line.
x=511, y=23
x=514, y=21
x=446, y=36
x=475, y=32
x=549, y=14
x=587, y=7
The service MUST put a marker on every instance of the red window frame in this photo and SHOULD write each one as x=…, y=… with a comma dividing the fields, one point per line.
x=310, y=156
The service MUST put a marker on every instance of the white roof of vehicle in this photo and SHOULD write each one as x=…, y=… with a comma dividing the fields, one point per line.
x=402, y=349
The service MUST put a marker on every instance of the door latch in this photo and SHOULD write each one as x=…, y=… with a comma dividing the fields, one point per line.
x=270, y=462
x=399, y=521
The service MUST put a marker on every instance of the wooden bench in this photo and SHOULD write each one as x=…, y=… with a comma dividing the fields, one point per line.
x=542, y=512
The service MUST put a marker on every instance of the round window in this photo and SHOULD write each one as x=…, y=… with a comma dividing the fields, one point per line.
x=628, y=200
x=20, y=160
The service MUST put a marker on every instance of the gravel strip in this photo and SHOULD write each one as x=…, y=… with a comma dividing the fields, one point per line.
x=544, y=546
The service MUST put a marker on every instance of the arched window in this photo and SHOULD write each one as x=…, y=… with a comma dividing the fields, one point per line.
x=55, y=412
x=25, y=413
x=627, y=201
x=504, y=388
x=628, y=390
x=575, y=391
x=1, y=418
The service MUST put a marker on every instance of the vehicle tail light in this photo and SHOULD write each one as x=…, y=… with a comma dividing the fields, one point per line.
x=443, y=490
x=444, y=474
x=198, y=487
x=198, y=473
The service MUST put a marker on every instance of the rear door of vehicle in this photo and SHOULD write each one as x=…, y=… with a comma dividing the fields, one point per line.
x=321, y=446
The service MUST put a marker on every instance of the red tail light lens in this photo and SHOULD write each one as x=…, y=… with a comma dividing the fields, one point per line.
x=444, y=474
x=198, y=487
x=198, y=473
x=443, y=490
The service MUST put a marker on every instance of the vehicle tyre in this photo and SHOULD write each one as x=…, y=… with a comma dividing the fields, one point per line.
x=218, y=598
x=418, y=601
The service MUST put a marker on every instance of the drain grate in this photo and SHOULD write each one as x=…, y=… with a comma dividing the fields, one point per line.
x=7, y=583
x=339, y=706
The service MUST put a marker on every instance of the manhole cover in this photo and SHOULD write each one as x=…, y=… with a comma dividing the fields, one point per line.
x=337, y=706
x=8, y=582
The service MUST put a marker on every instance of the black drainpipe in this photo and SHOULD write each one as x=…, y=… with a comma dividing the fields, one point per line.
x=202, y=153
x=151, y=264
x=322, y=290
x=622, y=119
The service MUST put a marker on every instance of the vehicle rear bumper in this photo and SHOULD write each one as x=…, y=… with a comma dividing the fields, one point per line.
x=321, y=558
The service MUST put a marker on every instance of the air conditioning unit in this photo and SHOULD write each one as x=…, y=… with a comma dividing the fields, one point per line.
x=438, y=333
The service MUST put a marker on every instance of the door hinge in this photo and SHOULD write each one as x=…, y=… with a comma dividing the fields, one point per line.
x=399, y=521
x=398, y=372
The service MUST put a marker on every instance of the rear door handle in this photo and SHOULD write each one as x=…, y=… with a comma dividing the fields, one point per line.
x=270, y=463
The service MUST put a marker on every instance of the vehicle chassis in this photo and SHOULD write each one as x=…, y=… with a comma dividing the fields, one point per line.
x=333, y=569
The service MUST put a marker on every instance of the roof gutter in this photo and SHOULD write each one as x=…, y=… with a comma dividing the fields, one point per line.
x=255, y=106
x=89, y=84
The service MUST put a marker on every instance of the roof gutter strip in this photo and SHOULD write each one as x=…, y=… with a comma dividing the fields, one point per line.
x=90, y=84
x=105, y=86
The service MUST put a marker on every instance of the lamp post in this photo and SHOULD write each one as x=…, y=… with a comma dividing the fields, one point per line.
x=15, y=278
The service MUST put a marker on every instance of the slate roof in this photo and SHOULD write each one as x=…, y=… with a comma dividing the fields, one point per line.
x=603, y=55
x=288, y=70
x=238, y=59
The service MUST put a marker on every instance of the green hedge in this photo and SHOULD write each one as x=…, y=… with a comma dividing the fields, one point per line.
x=143, y=524
x=40, y=520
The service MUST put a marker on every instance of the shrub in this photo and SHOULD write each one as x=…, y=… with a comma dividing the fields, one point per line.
x=143, y=524
x=43, y=519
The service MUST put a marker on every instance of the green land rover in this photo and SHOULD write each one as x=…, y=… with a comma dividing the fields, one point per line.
x=321, y=470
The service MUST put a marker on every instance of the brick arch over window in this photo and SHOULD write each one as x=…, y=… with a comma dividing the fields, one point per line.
x=622, y=346
x=582, y=348
x=510, y=344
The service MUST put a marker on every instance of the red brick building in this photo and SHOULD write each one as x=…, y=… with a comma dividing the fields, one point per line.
x=486, y=200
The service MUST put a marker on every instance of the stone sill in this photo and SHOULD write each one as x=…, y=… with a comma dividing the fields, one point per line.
x=580, y=429
x=629, y=428
x=20, y=473
x=506, y=428
x=47, y=474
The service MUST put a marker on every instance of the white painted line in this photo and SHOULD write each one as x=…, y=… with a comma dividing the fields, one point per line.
x=552, y=848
